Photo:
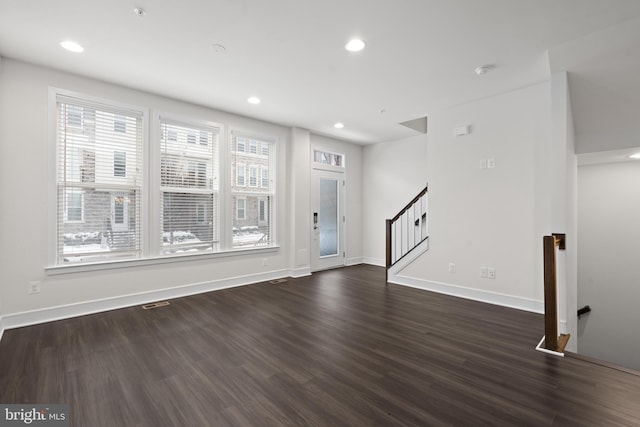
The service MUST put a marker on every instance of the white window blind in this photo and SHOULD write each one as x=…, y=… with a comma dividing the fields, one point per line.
x=98, y=179
x=189, y=187
x=253, y=184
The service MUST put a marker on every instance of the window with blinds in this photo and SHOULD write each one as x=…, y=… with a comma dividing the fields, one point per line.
x=106, y=177
x=252, y=190
x=98, y=179
x=188, y=187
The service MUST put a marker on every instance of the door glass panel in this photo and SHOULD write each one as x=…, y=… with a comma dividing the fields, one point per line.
x=328, y=218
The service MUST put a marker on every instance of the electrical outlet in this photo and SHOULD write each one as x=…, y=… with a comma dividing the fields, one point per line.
x=483, y=272
x=491, y=163
x=491, y=273
x=34, y=287
x=452, y=267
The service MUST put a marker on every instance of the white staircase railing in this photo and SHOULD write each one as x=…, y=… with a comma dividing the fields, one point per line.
x=408, y=229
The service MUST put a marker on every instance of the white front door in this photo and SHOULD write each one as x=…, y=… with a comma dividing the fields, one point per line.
x=327, y=222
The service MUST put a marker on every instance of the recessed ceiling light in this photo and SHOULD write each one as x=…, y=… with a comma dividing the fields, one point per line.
x=484, y=69
x=338, y=125
x=355, y=45
x=72, y=46
x=635, y=156
x=253, y=100
x=218, y=48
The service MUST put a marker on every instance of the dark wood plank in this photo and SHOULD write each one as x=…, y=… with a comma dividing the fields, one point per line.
x=338, y=348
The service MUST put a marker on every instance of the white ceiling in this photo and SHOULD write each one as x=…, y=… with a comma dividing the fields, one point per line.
x=419, y=58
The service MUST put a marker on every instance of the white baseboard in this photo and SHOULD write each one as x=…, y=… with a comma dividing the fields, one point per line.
x=300, y=272
x=374, y=261
x=353, y=261
x=16, y=320
x=495, y=298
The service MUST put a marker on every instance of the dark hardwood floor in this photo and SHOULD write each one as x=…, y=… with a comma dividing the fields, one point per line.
x=338, y=348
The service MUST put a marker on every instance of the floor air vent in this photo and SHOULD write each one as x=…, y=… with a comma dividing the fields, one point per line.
x=155, y=305
x=275, y=282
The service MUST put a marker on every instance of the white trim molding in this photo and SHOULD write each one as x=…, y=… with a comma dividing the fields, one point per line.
x=300, y=272
x=353, y=261
x=495, y=298
x=374, y=261
x=544, y=350
x=27, y=318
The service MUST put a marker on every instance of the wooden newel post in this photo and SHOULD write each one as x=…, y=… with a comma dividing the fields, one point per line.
x=550, y=294
x=551, y=339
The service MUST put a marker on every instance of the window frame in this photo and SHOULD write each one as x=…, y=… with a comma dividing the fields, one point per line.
x=88, y=157
x=196, y=184
x=319, y=151
x=149, y=201
x=270, y=157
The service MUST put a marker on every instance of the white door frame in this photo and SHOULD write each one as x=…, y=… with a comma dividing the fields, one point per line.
x=331, y=261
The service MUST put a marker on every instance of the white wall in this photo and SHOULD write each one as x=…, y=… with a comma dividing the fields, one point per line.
x=24, y=145
x=393, y=174
x=299, y=183
x=353, y=192
x=488, y=217
x=608, y=267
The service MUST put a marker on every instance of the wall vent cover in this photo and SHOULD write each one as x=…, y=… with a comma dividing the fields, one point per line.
x=155, y=305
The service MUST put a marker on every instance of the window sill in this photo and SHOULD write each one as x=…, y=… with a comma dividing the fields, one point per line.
x=109, y=265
